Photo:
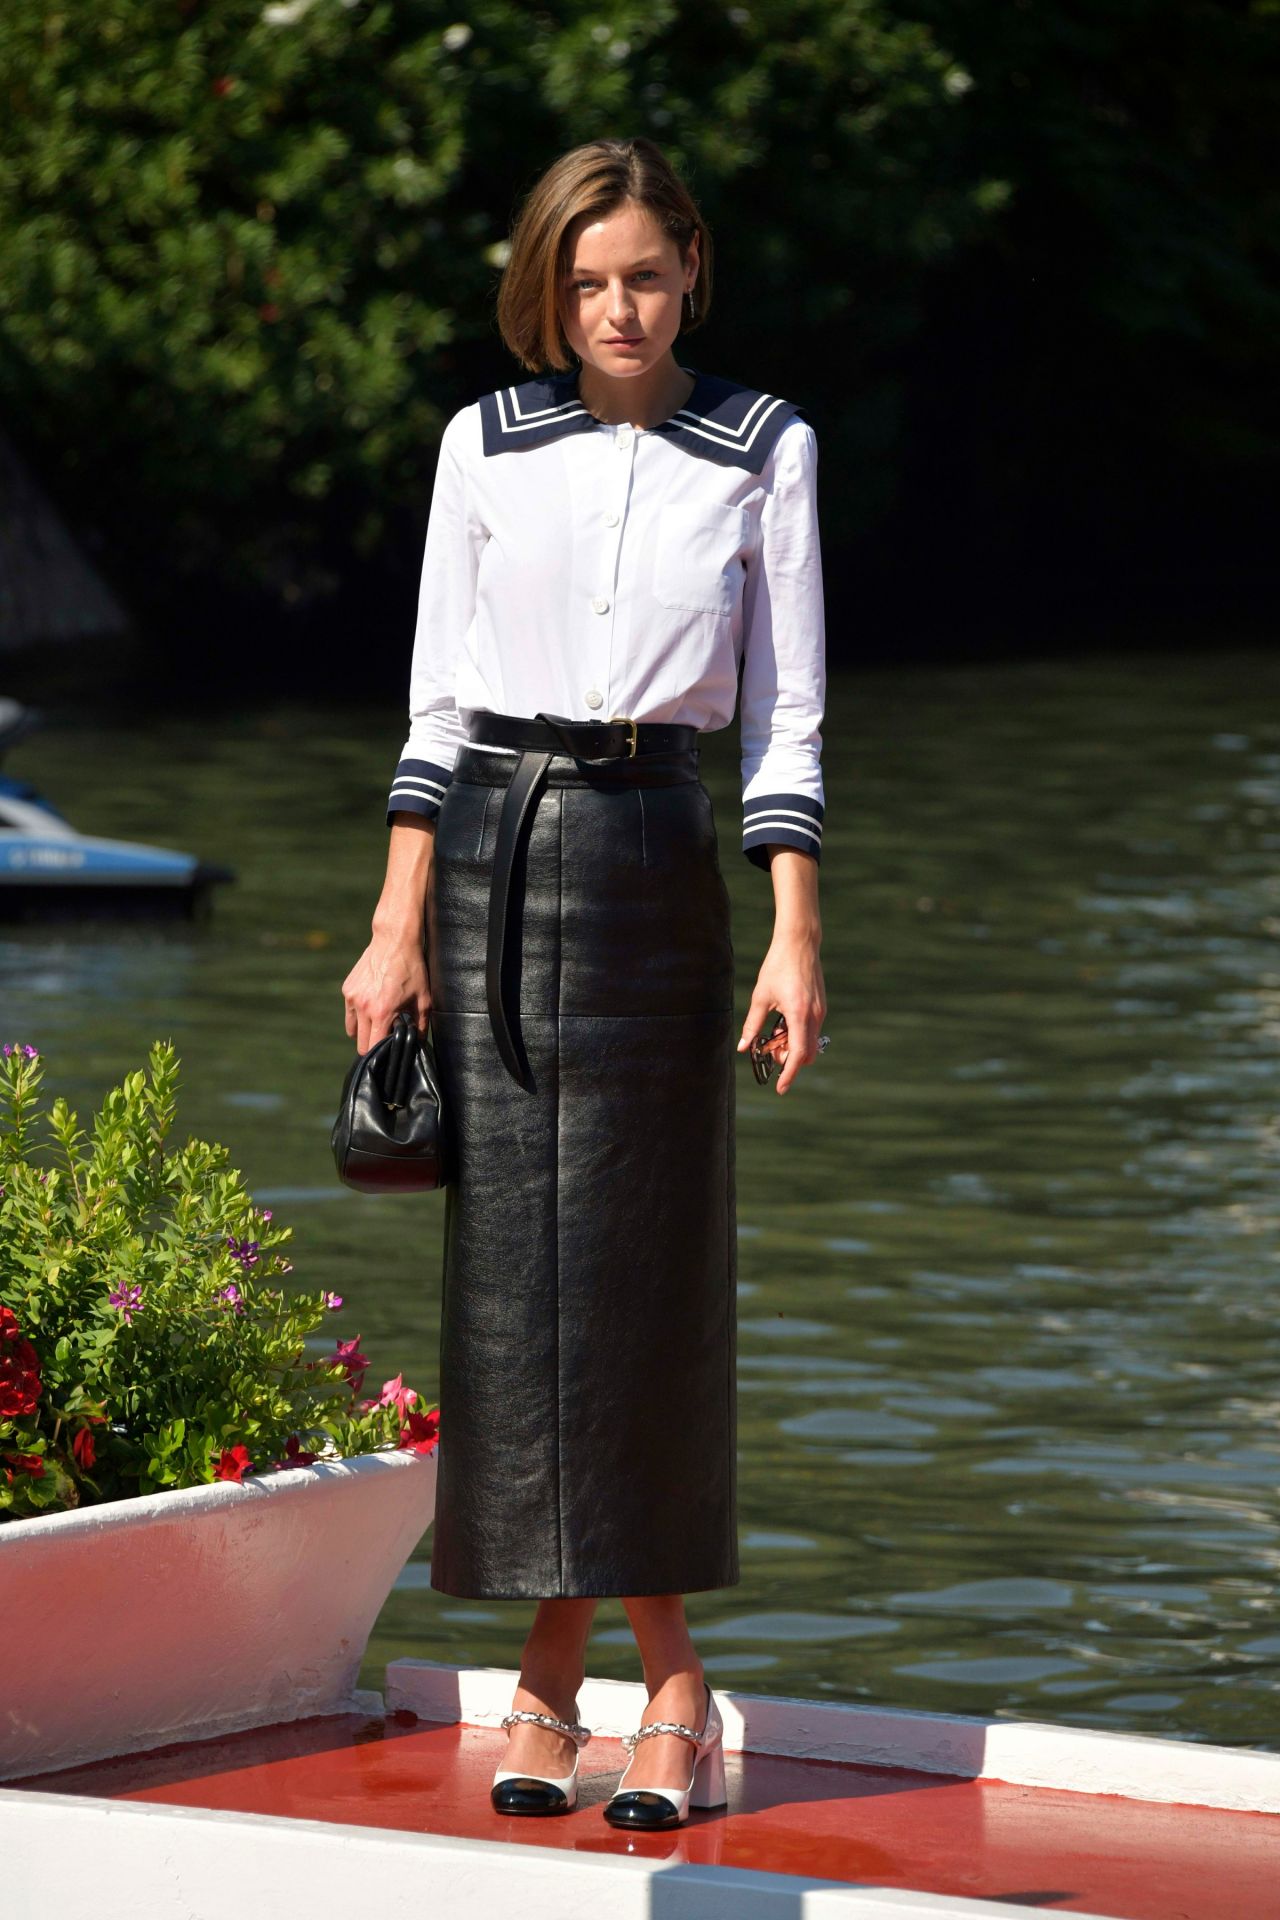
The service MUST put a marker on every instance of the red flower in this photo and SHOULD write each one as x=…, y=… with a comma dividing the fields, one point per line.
x=85, y=1449
x=421, y=1431
x=296, y=1454
x=233, y=1464
x=19, y=1369
x=25, y=1463
x=222, y=85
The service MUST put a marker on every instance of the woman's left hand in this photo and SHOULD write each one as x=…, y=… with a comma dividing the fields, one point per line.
x=790, y=980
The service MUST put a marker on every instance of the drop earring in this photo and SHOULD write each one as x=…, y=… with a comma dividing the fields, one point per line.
x=689, y=297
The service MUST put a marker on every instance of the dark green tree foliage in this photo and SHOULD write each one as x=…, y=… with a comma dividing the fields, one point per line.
x=228, y=259
x=1094, y=393
x=241, y=244
x=1013, y=258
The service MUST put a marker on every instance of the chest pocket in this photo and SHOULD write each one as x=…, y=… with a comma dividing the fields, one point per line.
x=697, y=557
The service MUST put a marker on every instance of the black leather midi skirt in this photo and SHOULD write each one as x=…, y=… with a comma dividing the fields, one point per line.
x=588, y=1330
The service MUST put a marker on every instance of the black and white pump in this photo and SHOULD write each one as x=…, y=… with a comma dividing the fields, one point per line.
x=651, y=1809
x=514, y=1792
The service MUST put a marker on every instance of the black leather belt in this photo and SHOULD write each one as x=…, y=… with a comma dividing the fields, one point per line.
x=538, y=740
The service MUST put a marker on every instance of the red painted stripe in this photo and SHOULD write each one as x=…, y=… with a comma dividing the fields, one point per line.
x=1058, y=1852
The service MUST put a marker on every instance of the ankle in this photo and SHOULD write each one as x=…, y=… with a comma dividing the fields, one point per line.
x=549, y=1690
x=687, y=1678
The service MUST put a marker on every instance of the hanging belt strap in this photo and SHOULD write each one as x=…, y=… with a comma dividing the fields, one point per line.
x=519, y=802
x=538, y=740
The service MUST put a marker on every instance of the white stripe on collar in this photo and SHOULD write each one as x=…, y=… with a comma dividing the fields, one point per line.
x=723, y=421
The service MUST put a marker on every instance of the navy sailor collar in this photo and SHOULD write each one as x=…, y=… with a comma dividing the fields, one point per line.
x=722, y=420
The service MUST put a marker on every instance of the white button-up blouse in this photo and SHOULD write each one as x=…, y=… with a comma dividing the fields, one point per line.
x=588, y=570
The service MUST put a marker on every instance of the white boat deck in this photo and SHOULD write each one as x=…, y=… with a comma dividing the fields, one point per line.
x=833, y=1810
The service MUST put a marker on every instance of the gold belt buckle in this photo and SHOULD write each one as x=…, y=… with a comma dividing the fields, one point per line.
x=634, y=736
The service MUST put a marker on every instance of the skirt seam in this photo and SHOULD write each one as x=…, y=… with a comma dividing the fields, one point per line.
x=484, y=821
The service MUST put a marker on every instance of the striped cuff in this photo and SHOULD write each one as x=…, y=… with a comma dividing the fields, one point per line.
x=781, y=820
x=417, y=788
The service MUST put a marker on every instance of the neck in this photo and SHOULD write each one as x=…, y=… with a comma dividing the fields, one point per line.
x=644, y=399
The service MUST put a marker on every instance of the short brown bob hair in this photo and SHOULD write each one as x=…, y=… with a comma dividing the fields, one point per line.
x=595, y=178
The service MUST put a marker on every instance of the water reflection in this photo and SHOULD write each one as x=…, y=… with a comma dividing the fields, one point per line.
x=1008, y=1420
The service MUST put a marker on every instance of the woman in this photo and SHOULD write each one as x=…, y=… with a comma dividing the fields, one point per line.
x=608, y=543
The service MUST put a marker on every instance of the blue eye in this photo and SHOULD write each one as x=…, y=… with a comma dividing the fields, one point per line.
x=642, y=273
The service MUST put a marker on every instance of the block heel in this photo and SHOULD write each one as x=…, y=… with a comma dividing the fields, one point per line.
x=708, y=1789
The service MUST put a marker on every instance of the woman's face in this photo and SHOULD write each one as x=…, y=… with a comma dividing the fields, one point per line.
x=621, y=299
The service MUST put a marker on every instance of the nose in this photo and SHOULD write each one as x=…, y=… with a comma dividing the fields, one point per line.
x=621, y=306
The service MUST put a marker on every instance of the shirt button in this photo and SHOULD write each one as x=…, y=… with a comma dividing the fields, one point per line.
x=600, y=604
x=594, y=697
x=611, y=519
x=624, y=437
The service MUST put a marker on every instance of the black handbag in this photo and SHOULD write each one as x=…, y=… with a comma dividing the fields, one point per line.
x=389, y=1136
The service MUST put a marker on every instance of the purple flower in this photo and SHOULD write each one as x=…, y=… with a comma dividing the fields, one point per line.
x=127, y=1301
x=245, y=1251
x=266, y=1213
x=12, y=1046
x=331, y=1300
x=232, y=1295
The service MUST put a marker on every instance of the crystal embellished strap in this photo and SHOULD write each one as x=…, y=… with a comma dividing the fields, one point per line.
x=577, y=1732
x=632, y=1740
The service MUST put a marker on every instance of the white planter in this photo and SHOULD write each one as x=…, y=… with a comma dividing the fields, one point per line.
x=180, y=1615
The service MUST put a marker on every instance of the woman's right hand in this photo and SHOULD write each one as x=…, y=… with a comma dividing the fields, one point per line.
x=391, y=973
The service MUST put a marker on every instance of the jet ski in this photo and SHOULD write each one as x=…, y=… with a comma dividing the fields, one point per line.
x=48, y=868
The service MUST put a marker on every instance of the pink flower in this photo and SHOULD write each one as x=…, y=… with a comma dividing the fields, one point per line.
x=331, y=1300
x=347, y=1355
x=396, y=1394
x=231, y=1296
x=127, y=1301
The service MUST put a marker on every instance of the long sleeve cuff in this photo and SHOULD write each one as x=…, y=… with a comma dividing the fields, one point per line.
x=781, y=820
x=418, y=787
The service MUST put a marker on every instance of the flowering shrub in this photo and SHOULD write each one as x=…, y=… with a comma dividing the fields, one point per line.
x=145, y=1340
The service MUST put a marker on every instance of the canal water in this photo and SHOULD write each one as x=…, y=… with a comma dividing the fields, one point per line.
x=1009, y=1369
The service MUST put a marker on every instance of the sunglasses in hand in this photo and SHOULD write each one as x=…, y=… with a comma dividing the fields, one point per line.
x=769, y=1049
